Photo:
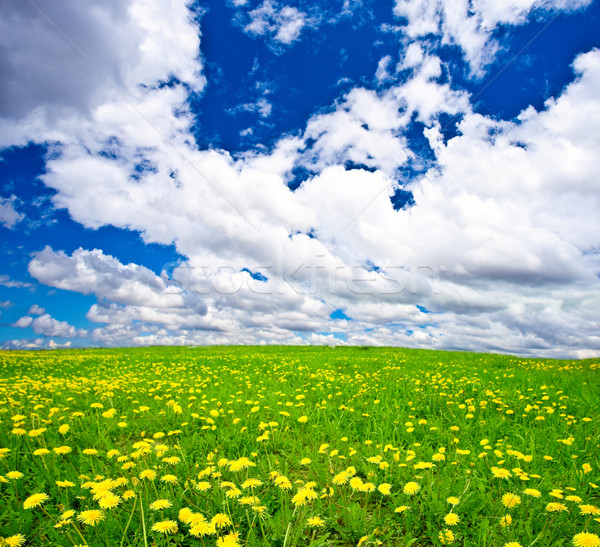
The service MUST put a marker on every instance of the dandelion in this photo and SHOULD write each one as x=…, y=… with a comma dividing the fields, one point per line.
x=14, y=475
x=453, y=500
x=451, y=519
x=90, y=517
x=446, y=537
x=532, y=492
x=203, y=486
x=221, y=520
x=506, y=521
x=411, y=488
x=251, y=483
x=385, y=489
x=14, y=541
x=201, y=529
x=305, y=461
x=401, y=509
x=165, y=527
x=555, y=507
x=510, y=500
x=316, y=522
x=586, y=539
x=303, y=419
x=513, y=544
x=109, y=501
x=170, y=479
x=589, y=510
x=35, y=500
x=160, y=504
x=340, y=478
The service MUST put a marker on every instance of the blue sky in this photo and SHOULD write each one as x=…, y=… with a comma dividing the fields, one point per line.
x=417, y=174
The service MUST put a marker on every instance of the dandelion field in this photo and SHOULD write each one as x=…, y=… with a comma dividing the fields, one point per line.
x=280, y=446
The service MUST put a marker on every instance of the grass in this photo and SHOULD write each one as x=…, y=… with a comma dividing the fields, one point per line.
x=297, y=446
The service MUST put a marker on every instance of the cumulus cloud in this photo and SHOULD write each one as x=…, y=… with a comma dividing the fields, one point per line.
x=499, y=251
x=470, y=25
x=282, y=24
x=9, y=216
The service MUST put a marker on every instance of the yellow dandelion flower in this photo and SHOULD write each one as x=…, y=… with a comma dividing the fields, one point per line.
x=506, y=521
x=446, y=537
x=90, y=517
x=170, y=479
x=532, y=492
x=411, y=488
x=221, y=520
x=14, y=541
x=453, y=500
x=555, y=507
x=586, y=539
x=14, y=475
x=35, y=500
x=385, y=489
x=401, y=509
x=203, y=486
x=589, y=510
x=165, y=527
x=510, y=500
x=315, y=522
x=451, y=519
x=160, y=504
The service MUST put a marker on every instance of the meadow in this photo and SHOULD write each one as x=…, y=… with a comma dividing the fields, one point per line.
x=297, y=446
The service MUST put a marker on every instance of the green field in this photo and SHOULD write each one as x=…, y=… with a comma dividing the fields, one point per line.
x=297, y=446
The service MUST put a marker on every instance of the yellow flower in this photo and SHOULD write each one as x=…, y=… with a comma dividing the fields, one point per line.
x=586, y=539
x=316, y=522
x=451, y=519
x=170, y=479
x=532, y=492
x=165, y=527
x=340, y=478
x=251, y=483
x=91, y=517
x=109, y=501
x=401, y=509
x=35, y=500
x=160, y=504
x=453, y=500
x=148, y=474
x=411, y=488
x=506, y=521
x=14, y=541
x=446, y=537
x=587, y=468
x=385, y=488
x=555, y=507
x=203, y=486
x=220, y=520
x=305, y=461
x=303, y=419
x=513, y=544
x=14, y=475
x=589, y=510
x=511, y=500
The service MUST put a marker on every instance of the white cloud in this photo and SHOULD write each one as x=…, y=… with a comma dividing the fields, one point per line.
x=46, y=325
x=6, y=281
x=93, y=272
x=112, y=56
x=23, y=322
x=9, y=216
x=282, y=24
x=36, y=310
x=470, y=24
x=501, y=243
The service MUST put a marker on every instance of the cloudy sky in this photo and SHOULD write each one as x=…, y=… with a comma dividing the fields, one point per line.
x=419, y=173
